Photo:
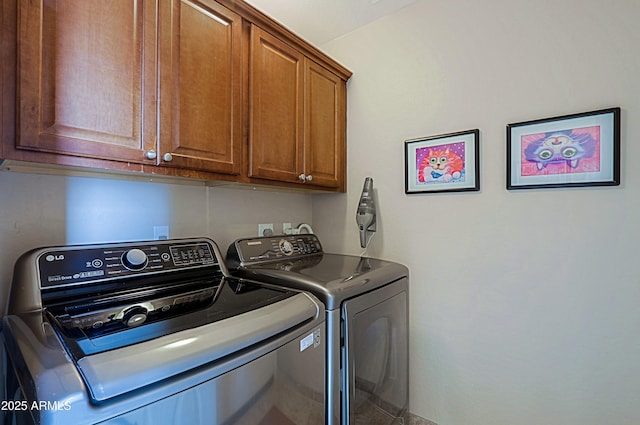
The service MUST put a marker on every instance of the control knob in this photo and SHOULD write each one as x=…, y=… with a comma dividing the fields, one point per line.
x=134, y=259
x=286, y=247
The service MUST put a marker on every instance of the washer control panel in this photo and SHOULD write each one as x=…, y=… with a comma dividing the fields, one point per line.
x=72, y=266
x=275, y=248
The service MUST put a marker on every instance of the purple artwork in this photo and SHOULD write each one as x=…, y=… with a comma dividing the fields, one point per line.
x=561, y=152
x=441, y=163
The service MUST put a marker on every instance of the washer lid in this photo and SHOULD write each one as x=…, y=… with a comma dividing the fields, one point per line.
x=332, y=278
x=112, y=373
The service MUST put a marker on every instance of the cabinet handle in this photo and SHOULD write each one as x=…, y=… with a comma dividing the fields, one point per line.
x=302, y=177
x=309, y=178
x=151, y=154
x=167, y=157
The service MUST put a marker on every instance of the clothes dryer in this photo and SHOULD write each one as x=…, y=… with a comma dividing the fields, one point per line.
x=366, y=301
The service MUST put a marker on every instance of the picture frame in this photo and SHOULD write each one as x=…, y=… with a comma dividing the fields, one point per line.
x=566, y=151
x=443, y=163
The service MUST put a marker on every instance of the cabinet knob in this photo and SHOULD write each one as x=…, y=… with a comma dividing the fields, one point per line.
x=151, y=154
x=302, y=177
x=309, y=178
x=167, y=157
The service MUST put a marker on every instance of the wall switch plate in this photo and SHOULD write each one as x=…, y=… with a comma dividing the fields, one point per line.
x=265, y=229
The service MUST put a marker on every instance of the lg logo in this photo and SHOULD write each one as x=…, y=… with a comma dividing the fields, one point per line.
x=51, y=257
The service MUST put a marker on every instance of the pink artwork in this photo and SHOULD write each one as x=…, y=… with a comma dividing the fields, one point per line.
x=441, y=163
x=561, y=152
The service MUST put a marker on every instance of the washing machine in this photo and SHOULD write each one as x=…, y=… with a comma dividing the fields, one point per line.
x=156, y=332
x=366, y=302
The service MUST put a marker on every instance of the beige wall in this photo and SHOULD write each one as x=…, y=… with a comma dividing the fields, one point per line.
x=47, y=210
x=524, y=305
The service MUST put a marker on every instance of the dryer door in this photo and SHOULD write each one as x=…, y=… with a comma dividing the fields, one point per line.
x=375, y=355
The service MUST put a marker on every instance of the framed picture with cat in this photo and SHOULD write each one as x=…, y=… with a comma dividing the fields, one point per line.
x=571, y=150
x=443, y=163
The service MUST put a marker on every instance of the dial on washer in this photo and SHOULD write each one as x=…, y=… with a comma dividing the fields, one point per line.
x=134, y=259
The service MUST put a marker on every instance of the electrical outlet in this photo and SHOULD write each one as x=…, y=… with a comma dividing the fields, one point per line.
x=265, y=229
x=160, y=232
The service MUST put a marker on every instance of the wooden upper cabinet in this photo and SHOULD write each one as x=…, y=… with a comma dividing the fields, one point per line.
x=201, y=87
x=325, y=118
x=297, y=116
x=276, y=90
x=86, y=78
x=211, y=89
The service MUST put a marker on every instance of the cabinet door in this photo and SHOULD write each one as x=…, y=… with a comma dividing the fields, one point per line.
x=276, y=109
x=87, y=78
x=201, y=87
x=325, y=116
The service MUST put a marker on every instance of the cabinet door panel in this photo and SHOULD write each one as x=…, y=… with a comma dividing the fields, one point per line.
x=201, y=92
x=324, y=126
x=81, y=85
x=276, y=105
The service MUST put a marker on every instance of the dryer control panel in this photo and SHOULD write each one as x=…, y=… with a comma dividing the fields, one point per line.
x=247, y=251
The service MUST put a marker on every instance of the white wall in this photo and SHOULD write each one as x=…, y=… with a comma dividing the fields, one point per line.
x=524, y=304
x=47, y=210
